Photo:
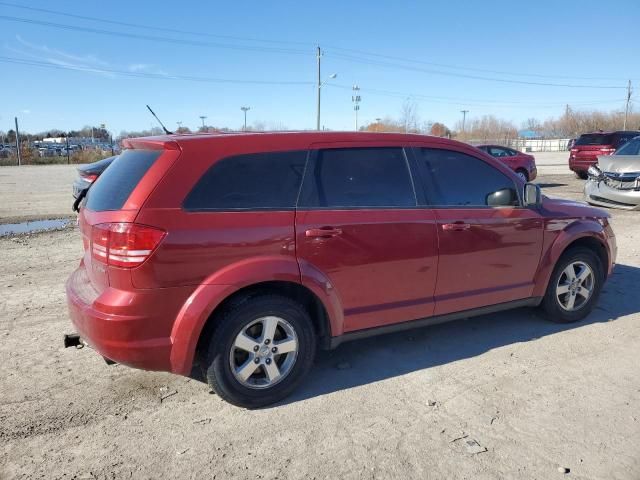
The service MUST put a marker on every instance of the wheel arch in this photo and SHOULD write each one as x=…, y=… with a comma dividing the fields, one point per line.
x=279, y=275
x=588, y=234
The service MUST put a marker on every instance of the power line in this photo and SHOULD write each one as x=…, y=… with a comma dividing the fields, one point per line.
x=466, y=101
x=289, y=42
x=457, y=67
x=149, y=27
x=155, y=38
x=463, y=75
x=159, y=76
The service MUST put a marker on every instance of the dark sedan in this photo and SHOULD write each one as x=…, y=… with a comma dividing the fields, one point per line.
x=87, y=174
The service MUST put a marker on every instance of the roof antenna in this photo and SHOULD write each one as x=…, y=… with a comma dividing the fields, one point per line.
x=161, y=124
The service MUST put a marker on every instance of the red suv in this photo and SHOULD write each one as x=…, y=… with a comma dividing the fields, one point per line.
x=522, y=163
x=589, y=146
x=243, y=253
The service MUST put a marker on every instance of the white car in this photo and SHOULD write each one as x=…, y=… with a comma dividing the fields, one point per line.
x=615, y=180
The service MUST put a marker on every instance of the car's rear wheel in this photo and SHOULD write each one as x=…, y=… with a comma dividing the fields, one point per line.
x=574, y=286
x=581, y=175
x=522, y=173
x=260, y=351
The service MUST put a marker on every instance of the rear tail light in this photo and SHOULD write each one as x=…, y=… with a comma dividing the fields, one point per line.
x=607, y=150
x=89, y=177
x=574, y=150
x=124, y=245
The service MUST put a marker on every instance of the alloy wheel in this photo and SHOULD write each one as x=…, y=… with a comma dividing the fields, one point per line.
x=575, y=286
x=264, y=352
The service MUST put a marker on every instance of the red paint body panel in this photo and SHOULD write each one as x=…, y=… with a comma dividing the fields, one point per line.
x=378, y=267
x=383, y=264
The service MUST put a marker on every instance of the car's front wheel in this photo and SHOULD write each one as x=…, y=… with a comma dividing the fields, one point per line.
x=260, y=351
x=574, y=286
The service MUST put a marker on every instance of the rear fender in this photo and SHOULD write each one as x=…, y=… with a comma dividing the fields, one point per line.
x=216, y=288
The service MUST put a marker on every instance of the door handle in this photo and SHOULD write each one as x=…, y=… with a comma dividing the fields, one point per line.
x=456, y=226
x=324, y=232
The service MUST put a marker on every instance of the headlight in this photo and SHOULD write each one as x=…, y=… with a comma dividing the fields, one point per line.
x=595, y=172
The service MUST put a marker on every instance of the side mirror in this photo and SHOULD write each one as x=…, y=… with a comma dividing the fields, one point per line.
x=505, y=197
x=532, y=195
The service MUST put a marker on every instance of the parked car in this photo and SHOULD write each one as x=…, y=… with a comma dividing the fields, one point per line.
x=590, y=146
x=87, y=174
x=241, y=254
x=615, y=180
x=522, y=163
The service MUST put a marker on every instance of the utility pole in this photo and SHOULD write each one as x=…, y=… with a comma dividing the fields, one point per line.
x=202, y=117
x=67, y=143
x=626, y=110
x=355, y=98
x=464, y=118
x=245, y=110
x=18, y=143
x=319, y=55
x=179, y=126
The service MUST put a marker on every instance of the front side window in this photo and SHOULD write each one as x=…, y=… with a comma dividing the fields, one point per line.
x=500, y=152
x=268, y=180
x=359, y=178
x=454, y=179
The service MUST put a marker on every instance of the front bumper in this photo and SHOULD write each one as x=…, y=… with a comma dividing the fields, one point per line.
x=598, y=193
x=132, y=328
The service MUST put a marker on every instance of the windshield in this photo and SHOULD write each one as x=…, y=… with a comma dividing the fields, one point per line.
x=595, y=139
x=630, y=148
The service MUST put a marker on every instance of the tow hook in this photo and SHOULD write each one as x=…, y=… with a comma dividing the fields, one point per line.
x=73, y=340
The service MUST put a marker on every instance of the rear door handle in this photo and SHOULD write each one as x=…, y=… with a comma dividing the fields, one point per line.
x=456, y=226
x=324, y=232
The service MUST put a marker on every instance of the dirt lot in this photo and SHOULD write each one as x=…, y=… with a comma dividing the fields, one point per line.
x=535, y=395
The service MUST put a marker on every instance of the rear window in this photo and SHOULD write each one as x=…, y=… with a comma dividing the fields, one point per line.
x=595, y=139
x=116, y=183
x=254, y=181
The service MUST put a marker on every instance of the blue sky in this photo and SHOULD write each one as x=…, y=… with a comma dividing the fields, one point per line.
x=394, y=50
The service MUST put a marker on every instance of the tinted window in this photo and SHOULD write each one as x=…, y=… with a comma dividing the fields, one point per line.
x=114, y=186
x=594, y=139
x=359, y=177
x=630, y=148
x=621, y=138
x=500, y=152
x=254, y=181
x=456, y=179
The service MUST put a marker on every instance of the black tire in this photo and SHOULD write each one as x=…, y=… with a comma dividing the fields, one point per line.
x=523, y=172
x=581, y=175
x=230, y=322
x=550, y=305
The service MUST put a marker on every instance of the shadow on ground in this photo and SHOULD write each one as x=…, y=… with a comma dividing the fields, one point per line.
x=388, y=356
x=551, y=185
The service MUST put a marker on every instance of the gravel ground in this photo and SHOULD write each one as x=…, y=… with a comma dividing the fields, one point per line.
x=500, y=396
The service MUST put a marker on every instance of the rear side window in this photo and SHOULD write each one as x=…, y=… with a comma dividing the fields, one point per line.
x=594, y=139
x=268, y=180
x=116, y=183
x=454, y=179
x=630, y=148
x=359, y=178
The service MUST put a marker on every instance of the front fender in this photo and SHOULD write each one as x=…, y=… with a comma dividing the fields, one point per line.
x=217, y=287
x=559, y=234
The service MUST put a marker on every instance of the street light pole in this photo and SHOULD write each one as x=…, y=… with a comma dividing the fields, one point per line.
x=319, y=55
x=18, y=143
x=626, y=110
x=355, y=98
x=464, y=117
x=245, y=110
x=202, y=117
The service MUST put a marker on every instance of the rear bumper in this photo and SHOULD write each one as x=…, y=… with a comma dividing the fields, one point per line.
x=132, y=328
x=582, y=164
x=598, y=193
